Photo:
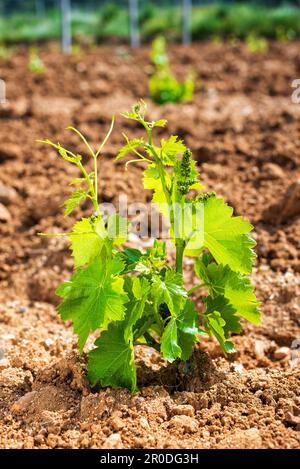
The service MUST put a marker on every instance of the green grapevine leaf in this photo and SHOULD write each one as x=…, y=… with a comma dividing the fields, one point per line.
x=153, y=260
x=131, y=145
x=159, y=249
x=187, y=319
x=140, y=292
x=237, y=289
x=226, y=311
x=214, y=326
x=169, y=290
x=180, y=335
x=201, y=271
x=226, y=237
x=131, y=257
x=111, y=363
x=117, y=229
x=93, y=297
x=77, y=196
x=169, y=342
x=170, y=148
x=140, y=287
x=87, y=240
x=138, y=111
x=188, y=330
x=89, y=236
x=160, y=123
x=152, y=181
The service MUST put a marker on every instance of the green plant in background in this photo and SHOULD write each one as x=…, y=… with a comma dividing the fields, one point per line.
x=139, y=298
x=217, y=40
x=6, y=52
x=224, y=20
x=285, y=35
x=76, y=50
x=112, y=21
x=256, y=45
x=158, y=53
x=35, y=63
x=163, y=86
x=164, y=20
x=233, y=41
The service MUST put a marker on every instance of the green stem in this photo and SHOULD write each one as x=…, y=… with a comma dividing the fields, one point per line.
x=149, y=131
x=141, y=331
x=96, y=182
x=151, y=342
x=93, y=190
x=158, y=163
x=180, y=245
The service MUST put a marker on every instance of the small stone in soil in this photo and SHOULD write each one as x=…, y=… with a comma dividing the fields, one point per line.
x=237, y=368
x=4, y=363
x=281, y=353
x=114, y=441
x=272, y=171
x=187, y=424
x=183, y=410
x=259, y=349
x=23, y=403
x=4, y=214
x=7, y=194
x=116, y=423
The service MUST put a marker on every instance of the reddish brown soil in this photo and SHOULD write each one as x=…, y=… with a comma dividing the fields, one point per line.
x=245, y=134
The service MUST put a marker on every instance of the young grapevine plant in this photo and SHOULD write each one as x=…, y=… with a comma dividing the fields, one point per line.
x=163, y=85
x=134, y=297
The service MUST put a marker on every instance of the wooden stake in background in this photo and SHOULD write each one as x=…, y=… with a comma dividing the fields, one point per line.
x=40, y=7
x=134, y=23
x=66, y=34
x=187, y=21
